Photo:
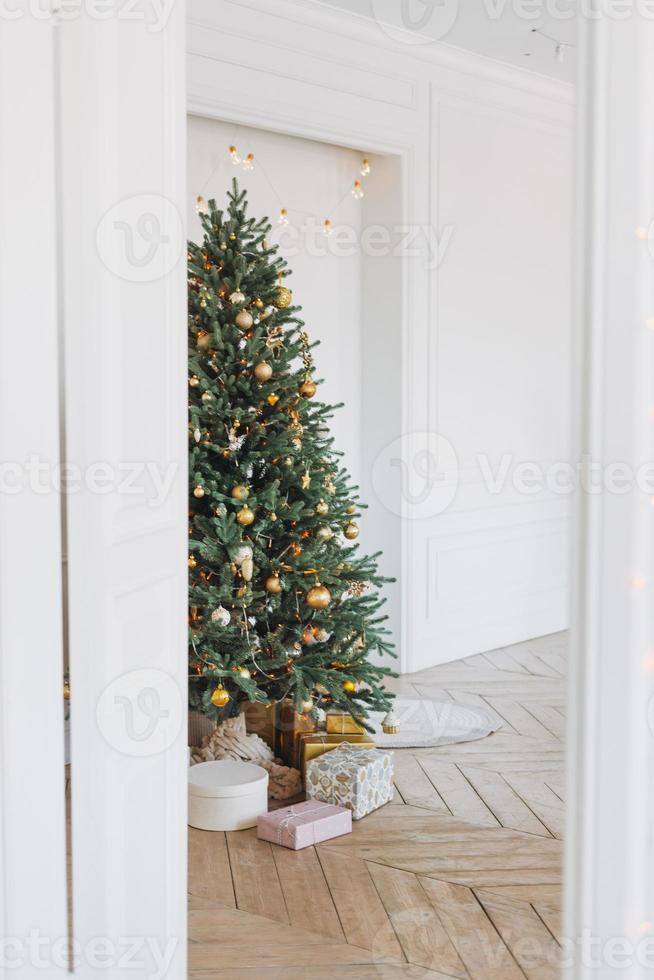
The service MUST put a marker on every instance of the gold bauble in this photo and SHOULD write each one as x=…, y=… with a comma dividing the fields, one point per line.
x=237, y=297
x=207, y=396
x=243, y=319
x=351, y=509
x=273, y=584
x=244, y=672
x=283, y=298
x=240, y=492
x=194, y=381
x=245, y=516
x=259, y=303
x=272, y=399
x=66, y=691
x=273, y=515
x=247, y=569
x=307, y=706
x=324, y=533
x=220, y=697
x=319, y=597
x=203, y=339
x=263, y=371
x=351, y=530
x=198, y=492
x=232, y=236
x=192, y=561
x=349, y=687
x=308, y=389
x=322, y=508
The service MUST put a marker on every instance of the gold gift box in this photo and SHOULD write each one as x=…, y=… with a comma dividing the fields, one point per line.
x=340, y=723
x=309, y=747
x=289, y=725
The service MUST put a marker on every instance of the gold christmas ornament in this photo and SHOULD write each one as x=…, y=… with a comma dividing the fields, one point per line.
x=283, y=298
x=324, y=533
x=244, y=672
x=240, y=492
x=221, y=616
x=273, y=584
x=351, y=509
x=194, y=381
x=243, y=319
x=245, y=516
x=192, y=563
x=351, y=530
x=349, y=687
x=198, y=492
x=391, y=724
x=263, y=371
x=66, y=691
x=259, y=303
x=237, y=297
x=308, y=389
x=307, y=706
x=220, y=697
x=322, y=508
x=319, y=597
x=273, y=515
x=272, y=399
x=232, y=236
x=203, y=339
x=207, y=396
x=247, y=569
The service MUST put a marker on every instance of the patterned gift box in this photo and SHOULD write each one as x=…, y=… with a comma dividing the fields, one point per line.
x=312, y=745
x=357, y=778
x=304, y=824
x=340, y=723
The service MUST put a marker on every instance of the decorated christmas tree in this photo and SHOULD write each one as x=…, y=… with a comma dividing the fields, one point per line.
x=282, y=605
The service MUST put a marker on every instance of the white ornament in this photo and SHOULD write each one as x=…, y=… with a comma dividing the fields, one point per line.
x=221, y=616
x=391, y=724
x=242, y=553
x=237, y=297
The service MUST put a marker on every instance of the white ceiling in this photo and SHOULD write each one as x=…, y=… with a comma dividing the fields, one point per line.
x=499, y=29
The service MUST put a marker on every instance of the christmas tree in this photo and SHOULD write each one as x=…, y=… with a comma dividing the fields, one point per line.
x=281, y=603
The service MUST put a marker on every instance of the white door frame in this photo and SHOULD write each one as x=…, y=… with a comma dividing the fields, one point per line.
x=610, y=853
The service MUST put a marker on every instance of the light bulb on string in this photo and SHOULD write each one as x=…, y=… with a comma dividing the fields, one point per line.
x=233, y=152
x=283, y=217
x=357, y=190
x=328, y=226
x=365, y=167
x=200, y=204
x=248, y=163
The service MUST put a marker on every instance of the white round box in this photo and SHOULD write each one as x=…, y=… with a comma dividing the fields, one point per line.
x=226, y=795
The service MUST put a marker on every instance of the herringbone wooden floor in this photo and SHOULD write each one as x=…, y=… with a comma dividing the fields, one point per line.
x=458, y=877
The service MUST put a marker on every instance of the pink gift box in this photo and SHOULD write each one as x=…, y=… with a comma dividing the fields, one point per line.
x=304, y=824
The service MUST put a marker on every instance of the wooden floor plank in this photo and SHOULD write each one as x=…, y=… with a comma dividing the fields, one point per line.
x=528, y=938
x=417, y=924
x=413, y=784
x=256, y=882
x=540, y=798
x=504, y=802
x=308, y=900
x=459, y=795
x=519, y=718
x=549, y=717
x=359, y=906
x=363, y=971
x=210, y=877
x=477, y=942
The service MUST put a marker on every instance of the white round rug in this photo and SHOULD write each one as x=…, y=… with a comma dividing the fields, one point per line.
x=425, y=722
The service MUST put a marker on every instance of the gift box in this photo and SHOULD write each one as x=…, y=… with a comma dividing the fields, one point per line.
x=340, y=723
x=304, y=824
x=312, y=745
x=260, y=720
x=358, y=778
x=289, y=725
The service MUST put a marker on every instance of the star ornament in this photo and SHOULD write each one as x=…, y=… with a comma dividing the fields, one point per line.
x=306, y=481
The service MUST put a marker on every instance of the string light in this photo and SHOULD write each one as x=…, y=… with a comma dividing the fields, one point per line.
x=248, y=163
x=233, y=152
x=328, y=226
x=200, y=204
x=365, y=167
x=283, y=217
x=357, y=190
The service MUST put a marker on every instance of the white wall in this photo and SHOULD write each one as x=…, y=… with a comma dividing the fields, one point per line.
x=480, y=345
